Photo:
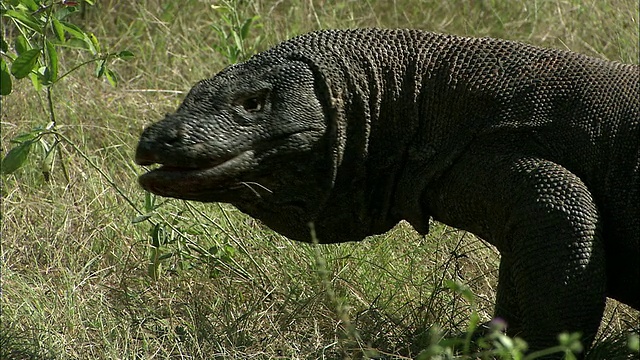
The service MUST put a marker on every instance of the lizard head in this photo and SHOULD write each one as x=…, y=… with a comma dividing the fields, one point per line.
x=258, y=135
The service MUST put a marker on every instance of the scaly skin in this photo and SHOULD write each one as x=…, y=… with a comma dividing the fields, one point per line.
x=535, y=150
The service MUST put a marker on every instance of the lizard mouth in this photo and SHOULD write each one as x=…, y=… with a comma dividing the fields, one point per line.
x=245, y=175
x=190, y=182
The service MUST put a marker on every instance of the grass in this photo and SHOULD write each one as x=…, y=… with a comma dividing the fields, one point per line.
x=76, y=275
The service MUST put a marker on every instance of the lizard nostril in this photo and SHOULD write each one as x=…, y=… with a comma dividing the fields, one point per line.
x=172, y=137
x=170, y=132
x=156, y=140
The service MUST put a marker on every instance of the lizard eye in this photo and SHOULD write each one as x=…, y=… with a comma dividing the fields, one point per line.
x=254, y=103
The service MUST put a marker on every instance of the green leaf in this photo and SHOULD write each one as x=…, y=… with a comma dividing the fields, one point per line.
x=73, y=30
x=125, y=55
x=26, y=19
x=474, y=320
x=230, y=251
x=141, y=218
x=36, y=80
x=94, y=42
x=58, y=29
x=21, y=44
x=233, y=56
x=461, y=289
x=4, y=47
x=89, y=40
x=633, y=342
x=48, y=161
x=149, y=202
x=30, y=4
x=76, y=43
x=238, y=42
x=571, y=341
x=26, y=136
x=52, y=58
x=153, y=269
x=15, y=158
x=80, y=35
x=100, y=68
x=220, y=31
x=24, y=64
x=64, y=12
x=5, y=79
x=111, y=77
x=244, y=30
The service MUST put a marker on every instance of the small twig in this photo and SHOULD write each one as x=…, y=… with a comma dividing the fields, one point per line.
x=102, y=173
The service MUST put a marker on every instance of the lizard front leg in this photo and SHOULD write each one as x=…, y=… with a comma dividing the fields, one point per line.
x=545, y=224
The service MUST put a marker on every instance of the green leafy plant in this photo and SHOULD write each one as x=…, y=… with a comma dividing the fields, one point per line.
x=234, y=33
x=492, y=343
x=633, y=342
x=35, y=33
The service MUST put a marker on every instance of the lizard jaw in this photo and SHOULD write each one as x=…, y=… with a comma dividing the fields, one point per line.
x=192, y=183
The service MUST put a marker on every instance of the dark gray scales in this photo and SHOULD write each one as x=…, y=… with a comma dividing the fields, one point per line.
x=535, y=150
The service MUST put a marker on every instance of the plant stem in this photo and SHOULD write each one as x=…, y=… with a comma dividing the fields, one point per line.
x=102, y=173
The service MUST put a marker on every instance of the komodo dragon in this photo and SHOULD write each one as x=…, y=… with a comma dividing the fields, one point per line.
x=535, y=150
